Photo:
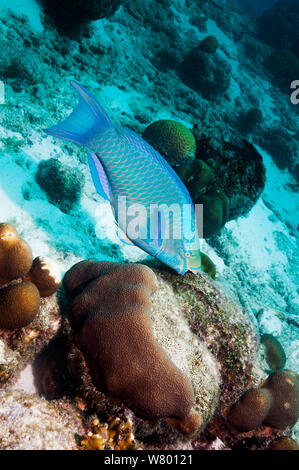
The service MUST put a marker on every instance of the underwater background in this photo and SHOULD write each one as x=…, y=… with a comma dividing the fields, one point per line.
x=208, y=85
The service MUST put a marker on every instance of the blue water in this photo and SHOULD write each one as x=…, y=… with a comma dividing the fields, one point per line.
x=257, y=6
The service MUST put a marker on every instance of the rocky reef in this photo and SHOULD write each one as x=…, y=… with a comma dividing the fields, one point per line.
x=204, y=333
x=31, y=423
x=28, y=316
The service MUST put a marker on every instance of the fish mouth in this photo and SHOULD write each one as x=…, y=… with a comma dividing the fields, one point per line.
x=193, y=269
x=182, y=270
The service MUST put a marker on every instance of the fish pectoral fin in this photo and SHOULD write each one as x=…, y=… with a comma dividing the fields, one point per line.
x=159, y=229
x=123, y=237
x=99, y=177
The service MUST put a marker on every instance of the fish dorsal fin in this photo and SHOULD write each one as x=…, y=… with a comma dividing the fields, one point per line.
x=136, y=141
x=99, y=177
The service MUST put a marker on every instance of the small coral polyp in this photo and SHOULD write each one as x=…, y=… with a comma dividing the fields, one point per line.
x=109, y=307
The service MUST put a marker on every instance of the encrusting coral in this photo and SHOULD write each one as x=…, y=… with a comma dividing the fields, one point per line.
x=275, y=403
x=70, y=15
x=116, y=435
x=46, y=275
x=87, y=10
x=250, y=120
x=15, y=255
x=109, y=307
x=284, y=66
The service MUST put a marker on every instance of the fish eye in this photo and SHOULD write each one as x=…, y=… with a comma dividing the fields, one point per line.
x=187, y=254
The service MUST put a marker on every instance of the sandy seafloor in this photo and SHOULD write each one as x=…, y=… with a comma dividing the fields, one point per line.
x=260, y=266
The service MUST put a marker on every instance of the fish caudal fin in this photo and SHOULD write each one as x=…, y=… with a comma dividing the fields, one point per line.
x=84, y=122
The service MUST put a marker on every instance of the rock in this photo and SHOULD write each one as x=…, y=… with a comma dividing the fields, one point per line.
x=62, y=184
x=282, y=147
x=28, y=422
x=21, y=346
x=206, y=73
x=283, y=66
x=209, y=44
x=250, y=120
x=269, y=323
x=279, y=26
x=293, y=355
x=69, y=14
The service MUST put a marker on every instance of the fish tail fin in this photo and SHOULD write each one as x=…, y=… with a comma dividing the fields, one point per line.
x=84, y=122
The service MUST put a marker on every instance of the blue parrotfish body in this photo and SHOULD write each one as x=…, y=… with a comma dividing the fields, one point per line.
x=129, y=173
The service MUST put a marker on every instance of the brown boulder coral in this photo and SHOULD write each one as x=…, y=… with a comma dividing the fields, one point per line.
x=206, y=334
x=283, y=443
x=15, y=255
x=284, y=389
x=112, y=302
x=251, y=410
x=275, y=403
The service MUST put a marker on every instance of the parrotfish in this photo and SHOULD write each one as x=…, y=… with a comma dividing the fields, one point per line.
x=132, y=175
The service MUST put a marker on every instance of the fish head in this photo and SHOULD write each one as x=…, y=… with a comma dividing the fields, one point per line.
x=181, y=255
x=193, y=260
x=190, y=257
